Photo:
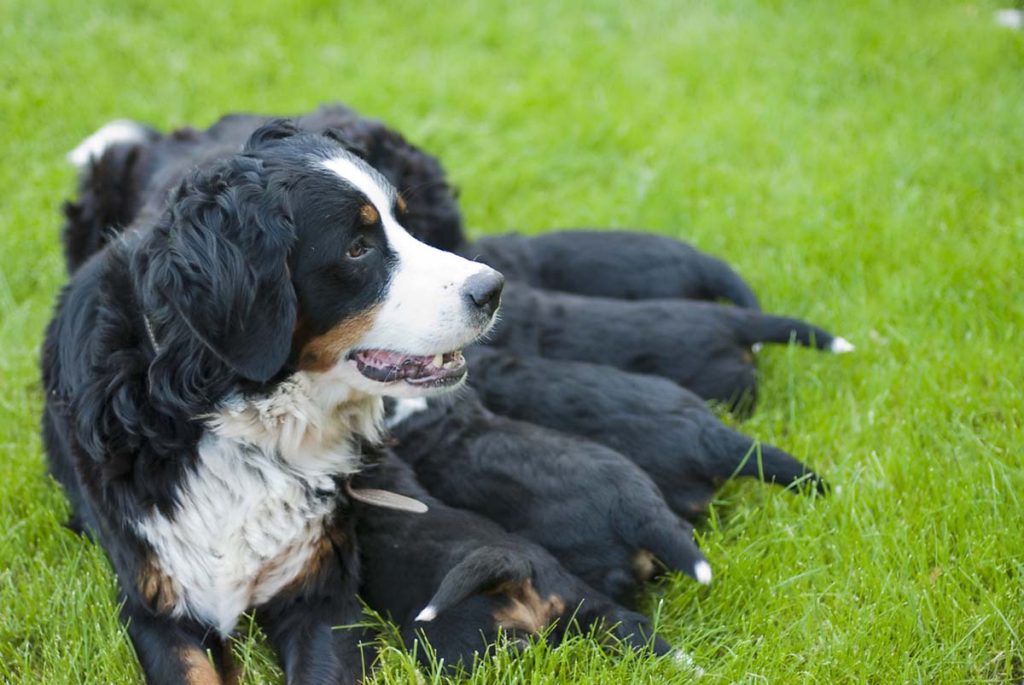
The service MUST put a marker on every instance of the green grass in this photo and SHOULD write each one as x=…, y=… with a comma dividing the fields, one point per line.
x=860, y=162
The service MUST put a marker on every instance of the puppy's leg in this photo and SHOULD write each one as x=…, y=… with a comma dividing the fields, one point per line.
x=733, y=454
x=671, y=543
x=753, y=328
x=173, y=651
x=304, y=622
x=483, y=568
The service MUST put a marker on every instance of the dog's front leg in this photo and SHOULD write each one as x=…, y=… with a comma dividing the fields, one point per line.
x=306, y=622
x=175, y=651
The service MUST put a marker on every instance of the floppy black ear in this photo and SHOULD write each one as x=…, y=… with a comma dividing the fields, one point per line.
x=217, y=270
x=275, y=129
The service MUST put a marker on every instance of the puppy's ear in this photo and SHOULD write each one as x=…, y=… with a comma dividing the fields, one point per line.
x=349, y=142
x=218, y=273
x=275, y=129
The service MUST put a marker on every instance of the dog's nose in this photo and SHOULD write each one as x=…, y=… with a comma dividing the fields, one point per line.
x=483, y=290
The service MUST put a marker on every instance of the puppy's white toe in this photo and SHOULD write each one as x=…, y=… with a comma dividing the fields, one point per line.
x=428, y=614
x=686, y=661
x=117, y=131
x=841, y=346
x=702, y=572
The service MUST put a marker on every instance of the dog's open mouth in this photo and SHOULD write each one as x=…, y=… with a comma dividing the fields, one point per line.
x=385, y=366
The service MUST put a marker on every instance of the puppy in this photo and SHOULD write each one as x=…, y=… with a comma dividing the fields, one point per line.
x=128, y=165
x=210, y=375
x=592, y=508
x=665, y=429
x=456, y=578
x=627, y=265
x=702, y=346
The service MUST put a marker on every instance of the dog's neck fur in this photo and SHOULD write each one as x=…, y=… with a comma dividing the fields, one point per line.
x=254, y=507
x=308, y=424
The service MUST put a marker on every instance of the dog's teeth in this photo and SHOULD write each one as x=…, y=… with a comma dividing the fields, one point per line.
x=438, y=360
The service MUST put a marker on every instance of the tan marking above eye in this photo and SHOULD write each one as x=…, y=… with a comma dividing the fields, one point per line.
x=400, y=204
x=368, y=215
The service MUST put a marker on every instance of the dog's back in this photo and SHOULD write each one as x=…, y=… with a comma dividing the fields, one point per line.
x=126, y=164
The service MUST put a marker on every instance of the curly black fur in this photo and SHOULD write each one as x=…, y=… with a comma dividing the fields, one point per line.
x=116, y=188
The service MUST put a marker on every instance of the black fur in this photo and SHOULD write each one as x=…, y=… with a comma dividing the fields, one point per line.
x=130, y=179
x=625, y=265
x=217, y=277
x=591, y=507
x=702, y=346
x=465, y=566
x=666, y=430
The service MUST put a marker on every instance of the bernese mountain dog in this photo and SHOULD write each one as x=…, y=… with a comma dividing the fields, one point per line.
x=212, y=371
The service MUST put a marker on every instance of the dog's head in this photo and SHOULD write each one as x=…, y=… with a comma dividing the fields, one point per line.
x=292, y=256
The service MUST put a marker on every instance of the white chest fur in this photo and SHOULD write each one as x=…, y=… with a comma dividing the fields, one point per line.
x=252, y=512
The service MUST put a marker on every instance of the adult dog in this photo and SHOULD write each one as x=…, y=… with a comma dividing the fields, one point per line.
x=209, y=378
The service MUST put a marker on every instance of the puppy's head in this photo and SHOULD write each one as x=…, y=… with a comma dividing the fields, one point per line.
x=292, y=255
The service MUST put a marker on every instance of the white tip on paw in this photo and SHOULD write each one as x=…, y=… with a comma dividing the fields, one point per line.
x=428, y=614
x=841, y=346
x=686, y=661
x=118, y=131
x=756, y=347
x=702, y=572
x=1011, y=19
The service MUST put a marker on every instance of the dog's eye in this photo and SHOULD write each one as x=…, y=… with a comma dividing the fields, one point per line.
x=358, y=248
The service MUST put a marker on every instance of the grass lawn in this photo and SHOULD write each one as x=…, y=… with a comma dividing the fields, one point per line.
x=860, y=162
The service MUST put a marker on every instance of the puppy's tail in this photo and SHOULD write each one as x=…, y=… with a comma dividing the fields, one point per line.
x=674, y=547
x=754, y=328
x=722, y=282
x=107, y=199
x=484, y=568
x=734, y=454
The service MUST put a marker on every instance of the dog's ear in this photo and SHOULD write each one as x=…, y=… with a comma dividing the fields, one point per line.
x=275, y=129
x=349, y=142
x=217, y=269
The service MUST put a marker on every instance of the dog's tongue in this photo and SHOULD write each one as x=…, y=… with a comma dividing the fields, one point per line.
x=385, y=365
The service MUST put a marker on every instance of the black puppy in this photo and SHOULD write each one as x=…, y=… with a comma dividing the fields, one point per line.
x=456, y=578
x=702, y=346
x=625, y=265
x=209, y=375
x=665, y=429
x=591, y=507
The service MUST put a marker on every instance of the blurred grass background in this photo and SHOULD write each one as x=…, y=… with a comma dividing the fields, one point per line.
x=859, y=162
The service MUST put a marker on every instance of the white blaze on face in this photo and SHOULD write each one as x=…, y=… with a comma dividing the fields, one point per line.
x=425, y=310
